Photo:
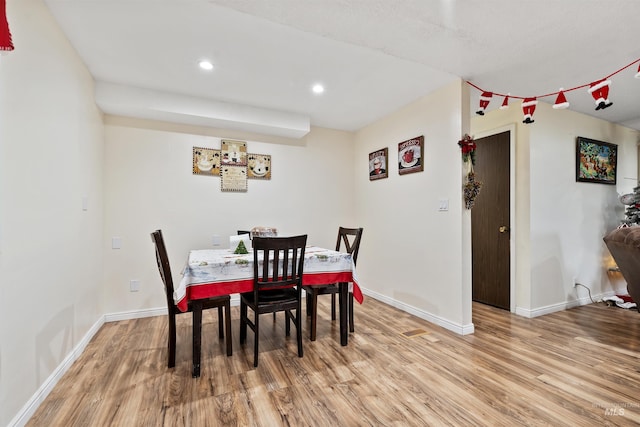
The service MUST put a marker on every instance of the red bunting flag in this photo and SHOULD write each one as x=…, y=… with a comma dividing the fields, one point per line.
x=561, y=101
x=528, y=108
x=6, y=45
x=598, y=89
x=600, y=92
x=485, y=98
x=505, y=102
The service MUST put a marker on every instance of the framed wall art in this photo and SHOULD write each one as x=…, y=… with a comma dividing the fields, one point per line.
x=596, y=161
x=233, y=178
x=232, y=164
x=378, y=163
x=411, y=155
x=206, y=161
x=234, y=153
x=258, y=166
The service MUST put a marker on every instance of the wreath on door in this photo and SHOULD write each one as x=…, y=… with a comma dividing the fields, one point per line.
x=471, y=187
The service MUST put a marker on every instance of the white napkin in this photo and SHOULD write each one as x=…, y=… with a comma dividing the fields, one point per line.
x=235, y=240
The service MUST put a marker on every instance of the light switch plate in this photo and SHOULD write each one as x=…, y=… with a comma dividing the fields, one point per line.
x=443, y=205
x=116, y=243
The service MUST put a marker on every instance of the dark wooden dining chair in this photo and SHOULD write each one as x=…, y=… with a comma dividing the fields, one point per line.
x=277, y=286
x=240, y=232
x=219, y=302
x=350, y=237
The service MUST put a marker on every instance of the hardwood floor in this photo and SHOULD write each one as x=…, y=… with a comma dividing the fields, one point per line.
x=578, y=367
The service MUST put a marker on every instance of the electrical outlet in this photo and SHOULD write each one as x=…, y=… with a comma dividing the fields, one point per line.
x=134, y=285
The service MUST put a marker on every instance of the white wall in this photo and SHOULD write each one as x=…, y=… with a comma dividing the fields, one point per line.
x=569, y=218
x=51, y=156
x=149, y=184
x=560, y=223
x=411, y=254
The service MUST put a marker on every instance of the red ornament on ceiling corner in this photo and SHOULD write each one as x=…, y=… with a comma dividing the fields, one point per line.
x=6, y=44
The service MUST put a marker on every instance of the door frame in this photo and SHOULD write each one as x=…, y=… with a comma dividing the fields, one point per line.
x=511, y=128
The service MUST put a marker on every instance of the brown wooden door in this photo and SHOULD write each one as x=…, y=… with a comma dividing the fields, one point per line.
x=490, y=227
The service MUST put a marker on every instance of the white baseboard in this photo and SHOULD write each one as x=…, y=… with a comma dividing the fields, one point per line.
x=135, y=314
x=149, y=312
x=454, y=327
x=27, y=411
x=541, y=311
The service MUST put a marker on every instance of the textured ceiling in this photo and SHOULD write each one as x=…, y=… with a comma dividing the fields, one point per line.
x=373, y=56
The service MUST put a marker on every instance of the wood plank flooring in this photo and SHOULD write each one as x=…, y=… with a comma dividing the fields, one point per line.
x=578, y=367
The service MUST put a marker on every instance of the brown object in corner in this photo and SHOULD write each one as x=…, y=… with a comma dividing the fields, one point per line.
x=624, y=245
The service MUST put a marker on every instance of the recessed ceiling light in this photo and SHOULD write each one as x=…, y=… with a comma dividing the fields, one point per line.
x=317, y=88
x=206, y=65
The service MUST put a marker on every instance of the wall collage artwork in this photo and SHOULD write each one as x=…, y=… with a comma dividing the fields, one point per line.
x=232, y=164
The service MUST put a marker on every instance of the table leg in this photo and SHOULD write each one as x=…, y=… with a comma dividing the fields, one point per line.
x=197, y=336
x=344, y=327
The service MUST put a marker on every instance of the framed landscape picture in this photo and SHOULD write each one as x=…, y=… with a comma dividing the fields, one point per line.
x=378, y=163
x=596, y=161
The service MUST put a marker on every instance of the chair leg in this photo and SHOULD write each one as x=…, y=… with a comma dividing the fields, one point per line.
x=171, y=344
x=333, y=306
x=197, y=336
x=227, y=322
x=351, y=327
x=220, y=323
x=344, y=327
x=255, y=340
x=314, y=314
x=298, y=321
x=287, y=319
x=243, y=322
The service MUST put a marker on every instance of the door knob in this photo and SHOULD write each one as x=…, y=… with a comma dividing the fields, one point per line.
x=503, y=229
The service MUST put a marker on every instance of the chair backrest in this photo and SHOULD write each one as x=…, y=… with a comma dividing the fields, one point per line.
x=278, y=262
x=163, y=266
x=244, y=232
x=351, y=239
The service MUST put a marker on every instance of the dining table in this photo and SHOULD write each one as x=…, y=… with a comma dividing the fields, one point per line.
x=214, y=272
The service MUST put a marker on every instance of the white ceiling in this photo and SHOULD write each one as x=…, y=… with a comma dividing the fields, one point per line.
x=373, y=56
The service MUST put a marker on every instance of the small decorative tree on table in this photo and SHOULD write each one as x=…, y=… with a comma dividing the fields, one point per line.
x=241, y=248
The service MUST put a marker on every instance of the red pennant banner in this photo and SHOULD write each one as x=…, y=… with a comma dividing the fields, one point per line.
x=5, y=35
